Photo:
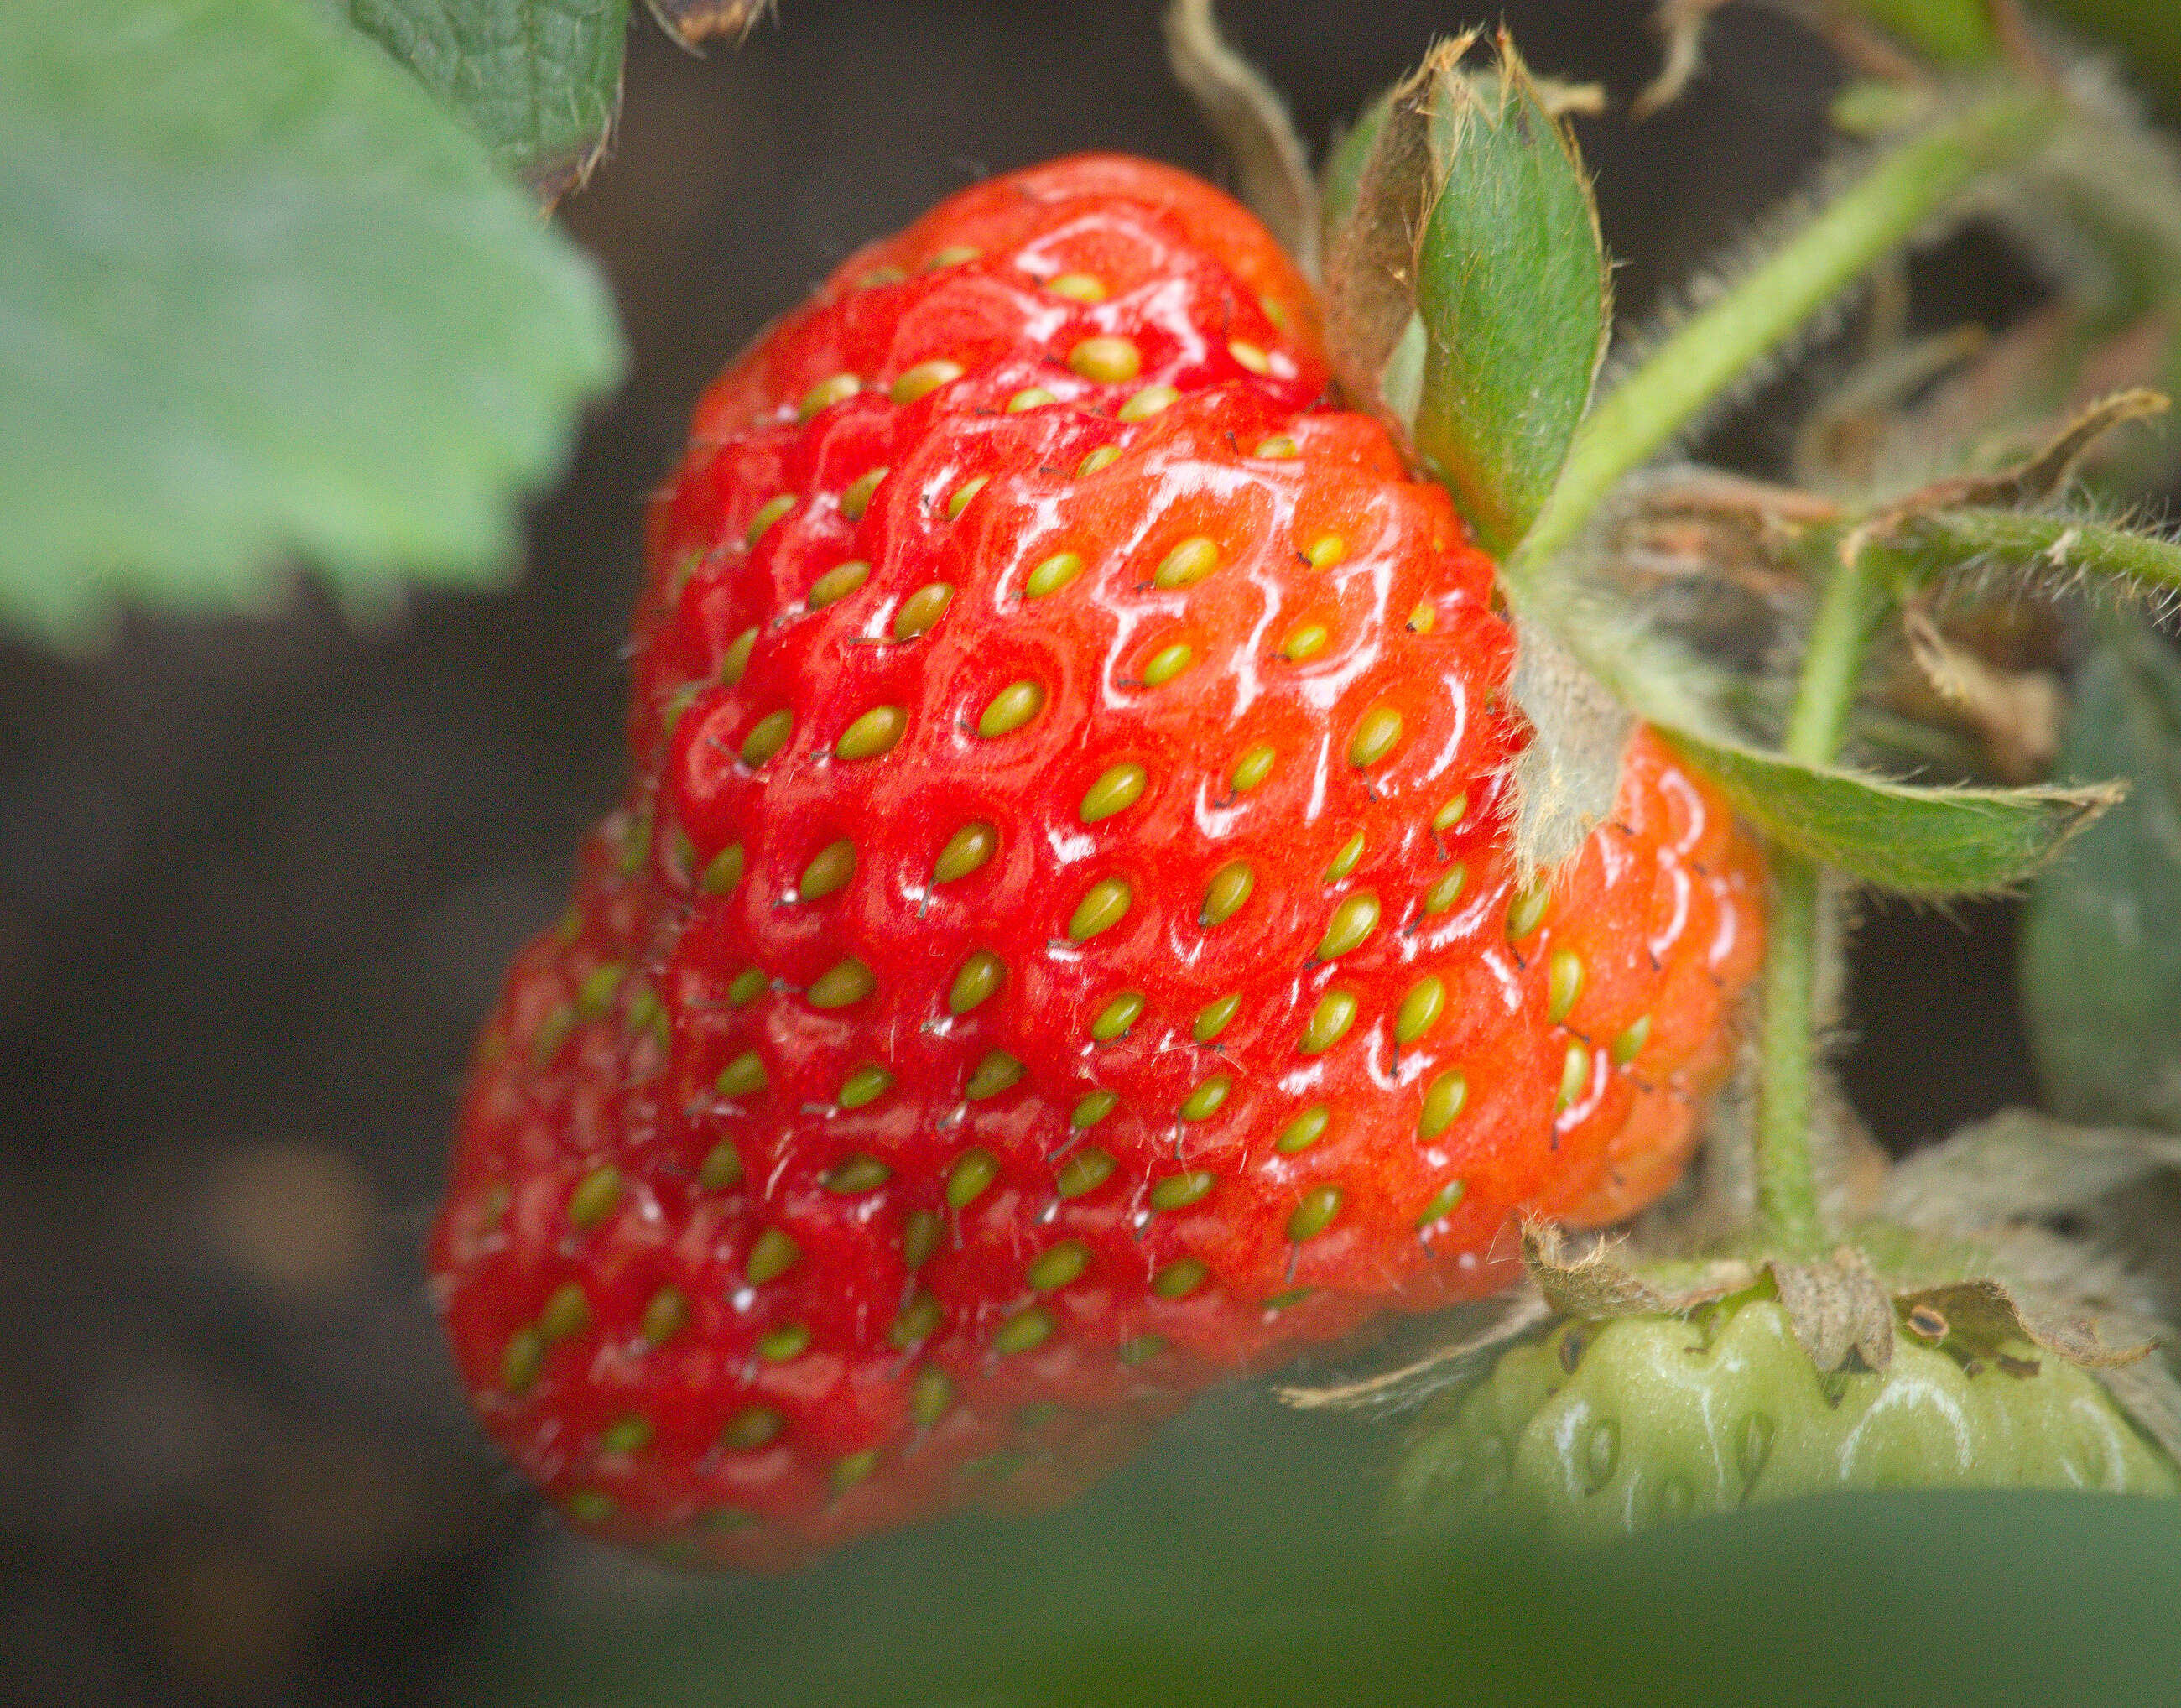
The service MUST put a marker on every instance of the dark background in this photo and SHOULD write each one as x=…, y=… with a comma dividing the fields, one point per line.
x=257, y=879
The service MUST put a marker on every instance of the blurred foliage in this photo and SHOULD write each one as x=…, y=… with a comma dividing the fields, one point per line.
x=538, y=81
x=2102, y=939
x=2147, y=34
x=262, y=297
x=1231, y=1568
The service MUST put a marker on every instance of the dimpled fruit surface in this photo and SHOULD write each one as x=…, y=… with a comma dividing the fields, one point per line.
x=1600, y=1431
x=1062, y=944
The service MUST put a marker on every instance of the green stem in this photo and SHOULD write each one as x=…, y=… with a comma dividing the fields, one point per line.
x=1716, y=349
x=1854, y=600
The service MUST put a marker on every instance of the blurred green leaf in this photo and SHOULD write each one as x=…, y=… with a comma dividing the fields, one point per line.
x=539, y=80
x=1511, y=287
x=2102, y=938
x=1909, y=841
x=2147, y=33
x=1959, y=31
x=263, y=299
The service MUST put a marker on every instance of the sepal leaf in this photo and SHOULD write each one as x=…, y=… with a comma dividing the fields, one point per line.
x=1467, y=288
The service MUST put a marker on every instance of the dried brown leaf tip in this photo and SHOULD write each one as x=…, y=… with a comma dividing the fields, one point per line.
x=1982, y=1317
x=692, y=22
x=1838, y=1310
x=1593, y=1284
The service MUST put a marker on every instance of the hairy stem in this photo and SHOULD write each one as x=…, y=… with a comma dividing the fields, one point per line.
x=1854, y=599
x=1713, y=351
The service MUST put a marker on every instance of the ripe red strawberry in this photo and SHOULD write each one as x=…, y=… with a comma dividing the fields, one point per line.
x=1062, y=946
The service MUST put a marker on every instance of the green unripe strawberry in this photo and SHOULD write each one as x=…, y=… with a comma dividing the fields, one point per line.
x=1598, y=1430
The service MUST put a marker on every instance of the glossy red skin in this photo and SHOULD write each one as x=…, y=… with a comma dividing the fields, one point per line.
x=1662, y=905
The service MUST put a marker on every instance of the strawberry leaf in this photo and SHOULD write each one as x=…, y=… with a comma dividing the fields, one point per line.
x=264, y=299
x=538, y=82
x=1896, y=837
x=1511, y=284
x=2101, y=940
